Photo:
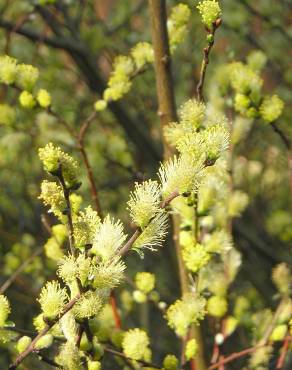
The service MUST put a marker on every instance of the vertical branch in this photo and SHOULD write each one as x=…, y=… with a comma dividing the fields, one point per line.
x=94, y=194
x=80, y=143
x=66, y=192
x=205, y=62
x=167, y=114
x=162, y=63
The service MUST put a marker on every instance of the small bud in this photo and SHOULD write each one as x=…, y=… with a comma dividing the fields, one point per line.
x=210, y=12
x=271, y=108
x=217, y=306
x=162, y=305
x=210, y=39
x=8, y=69
x=100, y=105
x=23, y=343
x=135, y=343
x=170, y=362
x=44, y=98
x=27, y=100
x=218, y=22
x=191, y=349
x=219, y=339
x=279, y=333
x=98, y=350
x=145, y=281
x=139, y=296
x=4, y=309
x=94, y=365
x=85, y=345
x=27, y=76
x=154, y=296
x=44, y=342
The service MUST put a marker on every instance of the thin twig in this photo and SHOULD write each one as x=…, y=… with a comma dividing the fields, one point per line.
x=115, y=311
x=205, y=62
x=284, y=351
x=261, y=343
x=85, y=126
x=127, y=246
x=66, y=192
x=43, y=332
x=235, y=356
x=80, y=144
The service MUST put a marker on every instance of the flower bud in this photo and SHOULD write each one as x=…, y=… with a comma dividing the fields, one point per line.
x=170, y=362
x=44, y=342
x=23, y=343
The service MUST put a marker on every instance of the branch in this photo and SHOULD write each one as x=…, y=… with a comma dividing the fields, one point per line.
x=80, y=143
x=138, y=231
x=261, y=343
x=167, y=114
x=43, y=332
x=162, y=64
x=66, y=192
x=284, y=349
x=205, y=62
x=235, y=356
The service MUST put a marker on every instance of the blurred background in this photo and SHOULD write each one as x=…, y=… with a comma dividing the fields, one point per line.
x=73, y=43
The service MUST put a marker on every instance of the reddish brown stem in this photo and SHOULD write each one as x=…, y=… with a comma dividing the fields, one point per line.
x=43, y=332
x=205, y=62
x=116, y=315
x=92, y=184
x=284, y=351
x=233, y=357
x=138, y=231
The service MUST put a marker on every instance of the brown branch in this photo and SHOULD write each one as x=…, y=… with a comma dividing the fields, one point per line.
x=284, y=349
x=115, y=311
x=129, y=243
x=234, y=356
x=127, y=246
x=31, y=347
x=80, y=143
x=167, y=114
x=273, y=322
x=66, y=192
x=85, y=126
x=261, y=343
x=205, y=62
x=162, y=64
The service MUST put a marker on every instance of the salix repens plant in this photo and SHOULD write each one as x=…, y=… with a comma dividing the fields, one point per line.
x=92, y=300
